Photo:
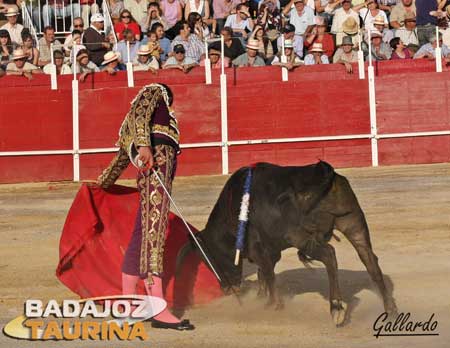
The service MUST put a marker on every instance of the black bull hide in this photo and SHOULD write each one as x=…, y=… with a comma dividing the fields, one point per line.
x=289, y=207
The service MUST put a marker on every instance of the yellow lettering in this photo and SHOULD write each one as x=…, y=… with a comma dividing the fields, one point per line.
x=120, y=332
x=105, y=326
x=138, y=331
x=34, y=325
x=69, y=333
x=52, y=330
x=86, y=333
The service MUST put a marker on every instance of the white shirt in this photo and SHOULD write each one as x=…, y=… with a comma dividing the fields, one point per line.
x=409, y=36
x=309, y=59
x=301, y=22
x=340, y=17
x=233, y=24
x=137, y=9
x=368, y=19
x=14, y=31
x=65, y=69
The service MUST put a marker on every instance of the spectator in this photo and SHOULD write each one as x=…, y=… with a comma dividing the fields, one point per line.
x=408, y=33
x=380, y=25
x=344, y=15
x=346, y=55
x=202, y=8
x=316, y=55
x=127, y=22
x=369, y=14
x=399, y=50
x=265, y=50
x=250, y=58
x=197, y=26
x=405, y=8
x=153, y=44
x=84, y=66
x=88, y=7
x=428, y=51
x=111, y=63
x=292, y=60
x=60, y=9
x=172, y=12
x=61, y=68
x=115, y=9
x=144, y=60
x=20, y=67
x=44, y=46
x=78, y=28
x=317, y=33
x=412, y=49
x=180, y=60
x=297, y=40
x=299, y=15
x=193, y=46
x=387, y=6
x=222, y=9
x=95, y=41
x=154, y=15
x=215, y=59
x=14, y=28
x=232, y=46
x=425, y=21
x=122, y=46
x=240, y=22
x=75, y=39
x=28, y=47
x=163, y=42
x=138, y=8
x=380, y=50
x=6, y=47
x=269, y=18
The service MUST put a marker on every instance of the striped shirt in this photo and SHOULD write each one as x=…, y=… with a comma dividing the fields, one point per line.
x=193, y=46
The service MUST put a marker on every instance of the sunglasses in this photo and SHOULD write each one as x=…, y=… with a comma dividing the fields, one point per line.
x=179, y=52
x=125, y=16
x=78, y=26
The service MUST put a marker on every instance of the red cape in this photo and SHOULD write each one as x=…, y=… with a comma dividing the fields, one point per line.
x=96, y=233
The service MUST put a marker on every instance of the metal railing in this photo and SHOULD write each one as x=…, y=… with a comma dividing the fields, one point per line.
x=28, y=23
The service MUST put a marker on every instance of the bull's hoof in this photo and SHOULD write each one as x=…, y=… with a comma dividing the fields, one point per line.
x=338, y=311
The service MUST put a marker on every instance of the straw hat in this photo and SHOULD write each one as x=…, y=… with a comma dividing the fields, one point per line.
x=110, y=57
x=253, y=44
x=288, y=44
x=19, y=54
x=12, y=11
x=316, y=47
x=379, y=20
x=375, y=33
x=350, y=26
x=144, y=50
x=97, y=17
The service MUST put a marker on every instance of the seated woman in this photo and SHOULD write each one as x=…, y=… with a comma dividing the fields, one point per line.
x=292, y=60
x=29, y=49
x=399, y=49
x=215, y=59
x=316, y=55
x=127, y=22
x=317, y=34
x=197, y=26
x=202, y=8
x=265, y=45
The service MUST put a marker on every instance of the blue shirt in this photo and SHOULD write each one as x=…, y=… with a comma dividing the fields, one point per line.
x=122, y=49
x=423, y=8
x=164, y=43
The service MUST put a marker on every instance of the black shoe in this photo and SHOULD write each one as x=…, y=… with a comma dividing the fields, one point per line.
x=182, y=325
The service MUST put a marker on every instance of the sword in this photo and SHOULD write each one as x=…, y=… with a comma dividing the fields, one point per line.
x=187, y=225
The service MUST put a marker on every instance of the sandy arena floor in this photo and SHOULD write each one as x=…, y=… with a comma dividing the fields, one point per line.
x=407, y=209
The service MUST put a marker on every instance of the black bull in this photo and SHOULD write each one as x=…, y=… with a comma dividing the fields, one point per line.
x=289, y=207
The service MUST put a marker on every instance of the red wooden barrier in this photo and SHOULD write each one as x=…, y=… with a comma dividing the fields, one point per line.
x=317, y=101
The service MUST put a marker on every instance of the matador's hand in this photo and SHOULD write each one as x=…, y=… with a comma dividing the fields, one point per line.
x=146, y=156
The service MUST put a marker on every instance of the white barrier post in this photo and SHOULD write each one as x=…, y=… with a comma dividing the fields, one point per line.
x=372, y=107
x=53, y=78
x=362, y=74
x=208, y=77
x=284, y=70
x=438, y=52
x=129, y=67
x=75, y=121
x=224, y=110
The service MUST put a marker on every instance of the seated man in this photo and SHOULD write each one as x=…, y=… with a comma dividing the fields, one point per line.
x=84, y=66
x=61, y=68
x=403, y=9
x=214, y=54
x=44, y=46
x=380, y=50
x=179, y=60
x=241, y=22
x=250, y=58
x=20, y=67
x=346, y=54
x=111, y=63
x=194, y=48
x=144, y=60
x=122, y=46
x=297, y=40
x=292, y=60
x=14, y=28
x=300, y=15
x=428, y=51
x=316, y=55
x=408, y=33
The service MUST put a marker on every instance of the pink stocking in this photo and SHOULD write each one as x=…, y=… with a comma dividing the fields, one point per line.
x=157, y=291
x=129, y=283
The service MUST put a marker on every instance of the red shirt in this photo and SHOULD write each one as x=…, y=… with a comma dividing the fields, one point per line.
x=327, y=44
x=120, y=27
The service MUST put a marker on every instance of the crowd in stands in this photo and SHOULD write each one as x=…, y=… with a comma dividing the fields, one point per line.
x=171, y=34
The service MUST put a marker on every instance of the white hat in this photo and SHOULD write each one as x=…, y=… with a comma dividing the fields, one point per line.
x=379, y=20
x=144, y=50
x=375, y=33
x=288, y=44
x=19, y=54
x=97, y=17
x=253, y=44
x=12, y=11
x=110, y=57
x=316, y=47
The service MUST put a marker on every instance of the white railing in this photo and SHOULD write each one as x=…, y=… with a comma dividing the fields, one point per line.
x=109, y=25
x=28, y=23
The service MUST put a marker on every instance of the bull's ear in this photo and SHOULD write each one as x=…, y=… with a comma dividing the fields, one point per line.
x=288, y=206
